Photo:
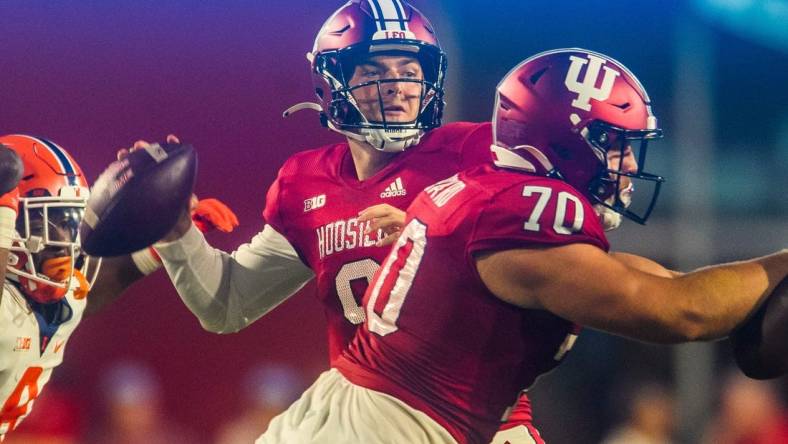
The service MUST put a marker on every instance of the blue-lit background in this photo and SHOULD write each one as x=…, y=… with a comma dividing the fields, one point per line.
x=95, y=76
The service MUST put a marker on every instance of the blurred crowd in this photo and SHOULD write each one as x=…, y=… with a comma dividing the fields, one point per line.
x=642, y=411
x=131, y=410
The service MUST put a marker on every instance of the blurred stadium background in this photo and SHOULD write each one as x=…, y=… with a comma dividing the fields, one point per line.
x=96, y=76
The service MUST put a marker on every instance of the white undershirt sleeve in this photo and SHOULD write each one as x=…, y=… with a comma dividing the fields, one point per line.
x=227, y=292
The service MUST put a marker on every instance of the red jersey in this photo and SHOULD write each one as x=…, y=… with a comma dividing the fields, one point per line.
x=435, y=337
x=315, y=202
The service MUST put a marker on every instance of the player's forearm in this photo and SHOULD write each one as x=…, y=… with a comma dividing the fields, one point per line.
x=226, y=292
x=115, y=276
x=606, y=294
x=718, y=298
x=196, y=270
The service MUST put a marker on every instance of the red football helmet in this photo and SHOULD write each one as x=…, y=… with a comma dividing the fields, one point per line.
x=362, y=28
x=45, y=257
x=567, y=110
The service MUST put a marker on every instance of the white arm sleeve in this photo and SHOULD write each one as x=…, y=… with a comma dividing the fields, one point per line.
x=229, y=292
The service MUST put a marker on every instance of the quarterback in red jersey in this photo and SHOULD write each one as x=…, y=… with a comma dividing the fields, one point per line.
x=378, y=72
x=499, y=265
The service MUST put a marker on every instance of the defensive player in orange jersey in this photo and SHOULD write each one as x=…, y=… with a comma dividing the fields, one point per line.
x=49, y=283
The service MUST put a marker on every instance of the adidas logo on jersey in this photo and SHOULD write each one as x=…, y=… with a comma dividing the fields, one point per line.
x=394, y=190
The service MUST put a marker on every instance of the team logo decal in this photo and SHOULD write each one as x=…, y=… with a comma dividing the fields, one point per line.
x=394, y=189
x=586, y=88
x=314, y=203
x=22, y=343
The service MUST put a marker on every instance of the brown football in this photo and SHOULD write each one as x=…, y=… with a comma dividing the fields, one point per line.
x=137, y=199
x=760, y=344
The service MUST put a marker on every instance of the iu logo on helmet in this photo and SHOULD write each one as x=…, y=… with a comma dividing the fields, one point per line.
x=586, y=88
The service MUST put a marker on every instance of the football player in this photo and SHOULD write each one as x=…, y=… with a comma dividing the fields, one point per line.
x=497, y=267
x=378, y=74
x=48, y=277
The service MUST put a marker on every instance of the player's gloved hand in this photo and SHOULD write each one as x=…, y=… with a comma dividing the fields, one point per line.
x=383, y=217
x=212, y=214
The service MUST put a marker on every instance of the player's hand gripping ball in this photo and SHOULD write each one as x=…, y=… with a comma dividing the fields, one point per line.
x=137, y=199
x=760, y=345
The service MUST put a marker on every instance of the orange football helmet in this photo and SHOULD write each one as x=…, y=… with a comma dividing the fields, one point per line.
x=46, y=260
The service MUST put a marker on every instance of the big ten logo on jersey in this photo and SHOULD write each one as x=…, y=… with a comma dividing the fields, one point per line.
x=314, y=203
x=22, y=343
x=587, y=89
x=443, y=191
x=344, y=235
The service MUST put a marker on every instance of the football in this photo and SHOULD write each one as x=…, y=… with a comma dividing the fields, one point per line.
x=137, y=199
x=760, y=347
x=10, y=169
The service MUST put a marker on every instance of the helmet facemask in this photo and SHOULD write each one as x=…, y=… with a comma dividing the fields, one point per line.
x=345, y=114
x=614, y=185
x=46, y=257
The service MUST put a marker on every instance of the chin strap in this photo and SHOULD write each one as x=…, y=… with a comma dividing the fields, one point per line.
x=60, y=270
x=302, y=106
x=380, y=139
x=609, y=218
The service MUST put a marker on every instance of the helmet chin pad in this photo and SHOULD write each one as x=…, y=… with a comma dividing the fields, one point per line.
x=609, y=218
x=386, y=140
x=59, y=275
